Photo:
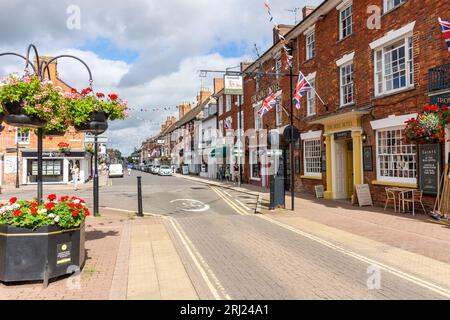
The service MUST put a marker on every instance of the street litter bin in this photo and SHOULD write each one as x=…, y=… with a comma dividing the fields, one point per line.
x=277, y=192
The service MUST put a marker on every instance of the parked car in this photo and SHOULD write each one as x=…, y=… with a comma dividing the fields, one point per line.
x=115, y=170
x=155, y=169
x=165, y=171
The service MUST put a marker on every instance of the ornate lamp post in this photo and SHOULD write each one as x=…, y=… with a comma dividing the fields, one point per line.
x=40, y=68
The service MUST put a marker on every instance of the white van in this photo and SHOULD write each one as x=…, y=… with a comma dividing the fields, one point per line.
x=116, y=170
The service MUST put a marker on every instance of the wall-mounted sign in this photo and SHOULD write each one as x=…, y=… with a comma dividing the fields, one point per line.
x=367, y=158
x=441, y=99
x=10, y=164
x=233, y=85
x=262, y=94
x=364, y=196
x=429, y=167
x=344, y=135
x=91, y=139
x=63, y=255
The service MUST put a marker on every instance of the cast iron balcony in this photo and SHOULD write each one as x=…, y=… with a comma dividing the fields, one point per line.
x=439, y=78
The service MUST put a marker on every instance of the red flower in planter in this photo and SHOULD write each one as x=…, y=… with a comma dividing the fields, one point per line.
x=51, y=197
x=17, y=213
x=86, y=212
x=50, y=206
x=33, y=211
x=13, y=200
x=34, y=204
x=64, y=198
x=100, y=95
x=75, y=213
x=86, y=91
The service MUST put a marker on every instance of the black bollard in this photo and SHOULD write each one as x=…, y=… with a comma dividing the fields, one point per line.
x=140, y=210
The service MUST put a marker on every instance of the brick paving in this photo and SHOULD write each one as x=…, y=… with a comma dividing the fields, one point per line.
x=113, y=243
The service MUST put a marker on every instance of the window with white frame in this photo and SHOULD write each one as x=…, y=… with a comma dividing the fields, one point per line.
x=22, y=136
x=312, y=157
x=310, y=45
x=346, y=21
x=394, y=69
x=241, y=119
x=258, y=119
x=311, y=99
x=347, y=85
x=278, y=68
x=228, y=103
x=391, y=4
x=220, y=105
x=221, y=128
x=396, y=161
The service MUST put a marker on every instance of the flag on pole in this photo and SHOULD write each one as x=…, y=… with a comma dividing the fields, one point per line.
x=268, y=104
x=445, y=26
x=302, y=87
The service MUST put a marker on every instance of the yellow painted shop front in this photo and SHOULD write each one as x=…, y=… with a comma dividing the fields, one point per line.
x=343, y=143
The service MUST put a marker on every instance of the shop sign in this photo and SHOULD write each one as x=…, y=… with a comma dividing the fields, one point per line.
x=263, y=94
x=429, y=168
x=368, y=158
x=441, y=100
x=10, y=164
x=233, y=85
x=324, y=161
x=344, y=135
x=364, y=196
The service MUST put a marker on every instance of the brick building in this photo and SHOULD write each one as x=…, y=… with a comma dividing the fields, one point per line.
x=370, y=79
x=57, y=165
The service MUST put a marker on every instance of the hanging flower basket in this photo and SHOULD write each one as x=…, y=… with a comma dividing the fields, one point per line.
x=428, y=127
x=28, y=101
x=98, y=123
x=90, y=112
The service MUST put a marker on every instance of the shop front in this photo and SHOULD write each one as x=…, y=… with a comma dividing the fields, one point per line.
x=343, y=144
x=56, y=167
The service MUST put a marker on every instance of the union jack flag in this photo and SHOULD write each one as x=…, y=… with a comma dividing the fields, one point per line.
x=303, y=86
x=445, y=26
x=268, y=104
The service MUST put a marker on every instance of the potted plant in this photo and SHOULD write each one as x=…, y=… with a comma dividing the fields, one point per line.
x=64, y=147
x=90, y=112
x=428, y=127
x=27, y=101
x=41, y=240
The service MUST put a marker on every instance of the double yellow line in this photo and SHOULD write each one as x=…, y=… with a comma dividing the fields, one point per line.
x=234, y=206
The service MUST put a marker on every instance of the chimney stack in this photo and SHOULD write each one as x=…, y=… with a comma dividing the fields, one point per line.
x=307, y=10
x=184, y=108
x=284, y=29
x=203, y=95
x=218, y=85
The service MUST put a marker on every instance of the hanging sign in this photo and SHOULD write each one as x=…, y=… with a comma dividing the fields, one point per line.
x=429, y=167
x=233, y=85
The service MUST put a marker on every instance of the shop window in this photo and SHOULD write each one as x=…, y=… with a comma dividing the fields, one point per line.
x=255, y=165
x=312, y=157
x=396, y=161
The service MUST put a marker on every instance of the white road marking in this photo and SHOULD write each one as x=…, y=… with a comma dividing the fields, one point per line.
x=243, y=204
x=201, y=265
x=420, y=282
x=193, y=203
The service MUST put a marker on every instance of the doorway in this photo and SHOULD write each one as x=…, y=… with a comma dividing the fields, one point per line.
x=344, y=170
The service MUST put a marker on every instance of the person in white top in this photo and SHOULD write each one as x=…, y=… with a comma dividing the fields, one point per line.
x=75, y=174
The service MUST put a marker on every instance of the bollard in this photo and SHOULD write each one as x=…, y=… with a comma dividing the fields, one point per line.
x=139, y=185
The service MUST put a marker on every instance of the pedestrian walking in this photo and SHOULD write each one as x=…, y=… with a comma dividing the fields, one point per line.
x=227, y=174
x=236, y=173
x=129, y=167
x=75, y=174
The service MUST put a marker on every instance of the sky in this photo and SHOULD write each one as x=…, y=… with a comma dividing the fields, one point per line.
x=148, y=51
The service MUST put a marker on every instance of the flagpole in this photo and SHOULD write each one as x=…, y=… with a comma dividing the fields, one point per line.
x=292, y=139
x=301, y=73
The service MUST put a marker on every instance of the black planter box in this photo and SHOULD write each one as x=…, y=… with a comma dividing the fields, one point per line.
x=25, y=255
x=97, y=125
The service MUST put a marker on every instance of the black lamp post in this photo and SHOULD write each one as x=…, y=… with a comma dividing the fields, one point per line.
x=39, y=69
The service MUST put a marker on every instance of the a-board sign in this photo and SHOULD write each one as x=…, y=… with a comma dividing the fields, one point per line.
x=364, y=196
x=429, y=167
x=319, y=191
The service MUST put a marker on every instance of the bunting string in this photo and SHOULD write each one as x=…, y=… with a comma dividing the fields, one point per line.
x=282, y=39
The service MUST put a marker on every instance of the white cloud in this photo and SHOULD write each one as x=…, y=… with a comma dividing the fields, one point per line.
x=173, y=38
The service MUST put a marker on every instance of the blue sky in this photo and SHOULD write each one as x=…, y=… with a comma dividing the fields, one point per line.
x=107, y=49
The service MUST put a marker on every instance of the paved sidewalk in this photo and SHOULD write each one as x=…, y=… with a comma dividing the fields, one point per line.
x=127, y=258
